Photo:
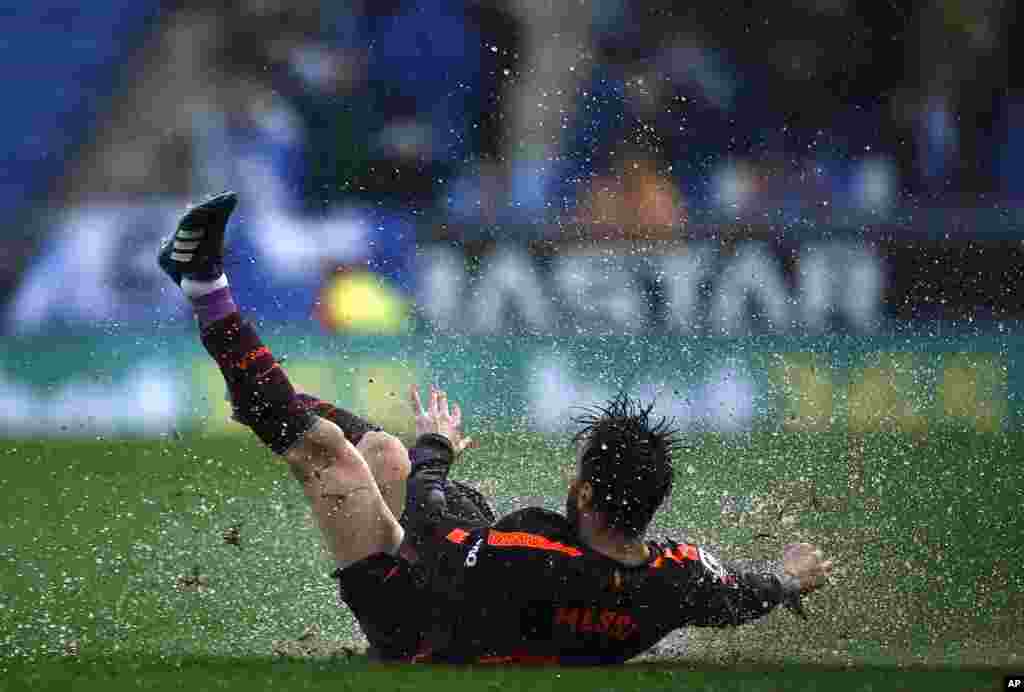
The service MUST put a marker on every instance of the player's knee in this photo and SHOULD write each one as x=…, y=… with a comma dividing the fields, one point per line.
x=322, y=446
x=386, y=455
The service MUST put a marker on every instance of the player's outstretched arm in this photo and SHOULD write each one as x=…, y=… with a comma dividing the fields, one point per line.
x=439, y=441
x=717, y=596
x=806, y=564
x=437, y=418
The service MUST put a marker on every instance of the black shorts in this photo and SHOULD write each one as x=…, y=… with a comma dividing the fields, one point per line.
x=384, y=593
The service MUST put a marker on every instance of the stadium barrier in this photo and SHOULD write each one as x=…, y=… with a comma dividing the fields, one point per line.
x=730, y=328
x=157, y=385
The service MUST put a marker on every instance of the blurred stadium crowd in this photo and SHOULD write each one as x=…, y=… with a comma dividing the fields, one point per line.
x=347, y=125
x=791, y=169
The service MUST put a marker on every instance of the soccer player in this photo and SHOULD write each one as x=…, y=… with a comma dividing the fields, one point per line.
x=451, y=585
x=584, y=588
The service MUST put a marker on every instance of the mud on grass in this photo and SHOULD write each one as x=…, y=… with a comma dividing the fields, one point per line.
x=204, y=546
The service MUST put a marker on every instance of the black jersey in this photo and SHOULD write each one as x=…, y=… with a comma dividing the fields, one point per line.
x=528, y=590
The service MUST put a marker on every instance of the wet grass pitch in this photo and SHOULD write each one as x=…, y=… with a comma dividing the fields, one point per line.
x=195, y=562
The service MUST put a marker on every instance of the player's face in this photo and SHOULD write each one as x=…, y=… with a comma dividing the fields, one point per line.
x=581, y=448
x=572, y=512
x=580, y=492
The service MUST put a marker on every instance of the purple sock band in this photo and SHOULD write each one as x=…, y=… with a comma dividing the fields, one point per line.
x=213, y=307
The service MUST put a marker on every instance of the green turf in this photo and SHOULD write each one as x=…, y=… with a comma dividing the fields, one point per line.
x=927, y=531
x=204, y=673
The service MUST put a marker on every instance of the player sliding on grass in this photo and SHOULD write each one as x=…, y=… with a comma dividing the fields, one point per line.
x=452, y=585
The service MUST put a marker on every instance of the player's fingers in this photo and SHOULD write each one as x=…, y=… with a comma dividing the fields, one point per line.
x=433, y=400
x=442, y=403
x=466, y=443
x=456, y=415
x=414, y=399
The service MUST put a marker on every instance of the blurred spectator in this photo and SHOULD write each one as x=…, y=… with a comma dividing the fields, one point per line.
x=953, y=110
x=343, y=124
x=635, y=201
x=61, y=62
x=1011, y=156
x=555, y=58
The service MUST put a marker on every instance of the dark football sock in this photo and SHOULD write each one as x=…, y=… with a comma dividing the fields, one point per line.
x=352, y=425
x=261, y=394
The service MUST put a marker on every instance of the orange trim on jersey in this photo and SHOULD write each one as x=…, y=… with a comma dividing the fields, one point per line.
x=687, y=552
x=457, y=535
x=677, y=555
x=521, y=539
x=251, y=357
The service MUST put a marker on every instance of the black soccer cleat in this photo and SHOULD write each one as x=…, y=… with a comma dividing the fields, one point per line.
x=196, y=249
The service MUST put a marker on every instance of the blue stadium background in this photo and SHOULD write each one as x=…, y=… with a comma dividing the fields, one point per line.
x=375, y=143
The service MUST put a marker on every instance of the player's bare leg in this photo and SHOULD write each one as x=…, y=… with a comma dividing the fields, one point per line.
x=338, y=481
x=388, y=460
x=385, y=454
x=353, y=516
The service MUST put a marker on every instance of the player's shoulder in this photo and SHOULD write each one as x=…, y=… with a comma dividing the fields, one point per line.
x=535, y=520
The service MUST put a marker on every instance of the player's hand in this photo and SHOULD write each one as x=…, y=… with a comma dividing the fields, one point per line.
x=437, y=418
x=808, y=564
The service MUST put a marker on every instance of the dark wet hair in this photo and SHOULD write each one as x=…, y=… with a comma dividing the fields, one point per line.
x=627, y=459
